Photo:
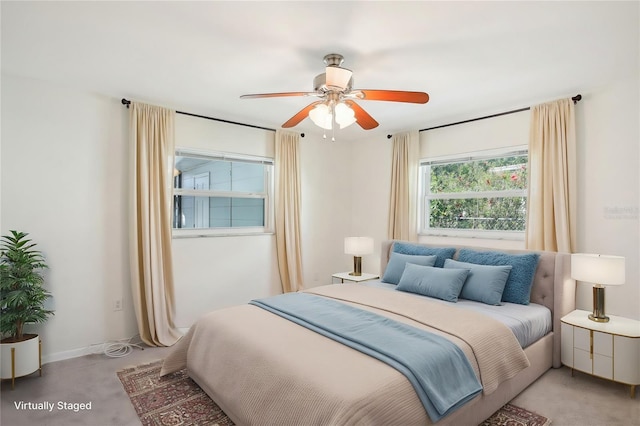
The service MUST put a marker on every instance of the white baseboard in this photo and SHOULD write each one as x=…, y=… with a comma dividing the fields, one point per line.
x=87, y=350
x=73, y=353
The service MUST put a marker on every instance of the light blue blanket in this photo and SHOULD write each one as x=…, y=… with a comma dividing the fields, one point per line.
x=438, y=369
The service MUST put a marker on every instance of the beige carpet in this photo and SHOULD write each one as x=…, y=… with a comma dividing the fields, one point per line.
x=177, y=400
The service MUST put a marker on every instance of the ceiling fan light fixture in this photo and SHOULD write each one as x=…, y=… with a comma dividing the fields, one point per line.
x=321, y=116
x=345, y=116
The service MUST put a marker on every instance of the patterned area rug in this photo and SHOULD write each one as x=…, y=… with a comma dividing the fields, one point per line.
x=172, y=400
x=176, y=400
x=510, y=415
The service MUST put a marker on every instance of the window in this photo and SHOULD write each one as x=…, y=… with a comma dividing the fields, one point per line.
x=221, y=194
x=483, y=195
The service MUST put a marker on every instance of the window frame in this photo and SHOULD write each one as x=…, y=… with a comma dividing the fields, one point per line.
x=267, y=195
x=424, y=196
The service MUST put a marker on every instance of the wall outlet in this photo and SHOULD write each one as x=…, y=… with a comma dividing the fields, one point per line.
x=117, y=305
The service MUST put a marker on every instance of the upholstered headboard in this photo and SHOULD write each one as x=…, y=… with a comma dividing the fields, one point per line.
x=552, y=287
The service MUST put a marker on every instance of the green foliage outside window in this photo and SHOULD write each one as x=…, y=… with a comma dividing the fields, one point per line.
x=487, y=194
x=496, y=174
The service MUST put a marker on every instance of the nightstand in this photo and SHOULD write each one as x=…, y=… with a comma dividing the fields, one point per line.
x=610, y=350
x=344, y=276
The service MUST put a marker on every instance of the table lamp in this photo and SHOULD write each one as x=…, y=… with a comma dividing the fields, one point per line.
x=358, y=247
x=600, y=270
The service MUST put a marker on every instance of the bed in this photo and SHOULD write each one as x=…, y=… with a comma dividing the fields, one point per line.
x=263, y=369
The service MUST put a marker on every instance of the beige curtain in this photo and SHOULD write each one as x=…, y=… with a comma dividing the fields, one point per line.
x=287, y=198
x=152, y=141
x=552, y=178
x=404, y=187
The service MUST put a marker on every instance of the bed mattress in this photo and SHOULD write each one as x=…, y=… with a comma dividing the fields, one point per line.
x=529, y=323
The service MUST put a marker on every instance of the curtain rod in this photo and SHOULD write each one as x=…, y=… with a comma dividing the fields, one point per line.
x=126, y=103
x=575, y=100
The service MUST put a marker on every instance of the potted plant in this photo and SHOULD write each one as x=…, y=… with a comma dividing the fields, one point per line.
x=22, y=298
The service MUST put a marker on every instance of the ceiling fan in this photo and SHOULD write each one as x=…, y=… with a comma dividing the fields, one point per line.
x=336, y=104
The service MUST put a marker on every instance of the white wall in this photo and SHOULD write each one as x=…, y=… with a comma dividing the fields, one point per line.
x=499, y=132
x=326, y=206
x=370, y=191
x=216, y=272
x=64, y=174
x=608, y=130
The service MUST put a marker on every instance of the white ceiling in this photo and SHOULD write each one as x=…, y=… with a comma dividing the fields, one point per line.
x=473, y=58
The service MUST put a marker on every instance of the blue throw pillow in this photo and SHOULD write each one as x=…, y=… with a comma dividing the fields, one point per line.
x=518, y=286
x=485, y=283
x=442, y=253
x=395, y=267
x=429, y=281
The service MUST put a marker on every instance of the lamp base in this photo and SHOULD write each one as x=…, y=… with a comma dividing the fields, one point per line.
x=598, y=319
x=598, y=305
x=357, y=266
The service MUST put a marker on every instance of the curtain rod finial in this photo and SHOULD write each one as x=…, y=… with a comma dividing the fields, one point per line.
x=388, y=136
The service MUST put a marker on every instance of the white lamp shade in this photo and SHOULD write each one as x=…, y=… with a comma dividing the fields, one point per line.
x=338, y=77
x=358, y=246
x=321, y=116
x=345, y=116
x=598, y=269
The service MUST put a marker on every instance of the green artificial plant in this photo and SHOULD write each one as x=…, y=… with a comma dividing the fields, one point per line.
x=22, y=294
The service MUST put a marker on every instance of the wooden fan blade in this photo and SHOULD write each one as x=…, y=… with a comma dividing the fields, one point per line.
x=276, y=95
x=395, y=96
x=362, y=117
x=304, y=112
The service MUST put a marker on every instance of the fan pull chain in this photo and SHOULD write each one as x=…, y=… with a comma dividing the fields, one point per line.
x=333, y=137
x=333, y=121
